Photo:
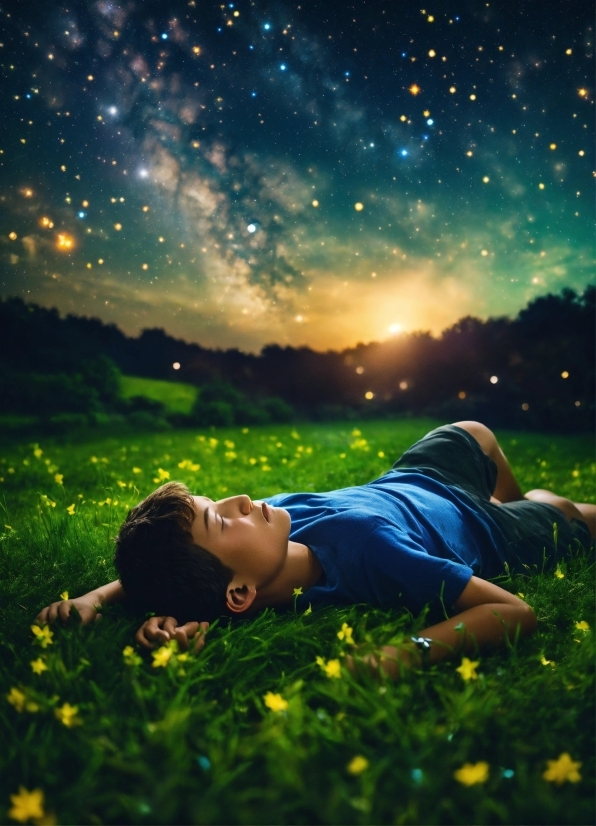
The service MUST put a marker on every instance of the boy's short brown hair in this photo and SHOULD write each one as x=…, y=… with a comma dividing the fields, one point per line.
x=160, y=566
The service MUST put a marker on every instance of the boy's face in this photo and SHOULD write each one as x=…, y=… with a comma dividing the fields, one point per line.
x=249, y=537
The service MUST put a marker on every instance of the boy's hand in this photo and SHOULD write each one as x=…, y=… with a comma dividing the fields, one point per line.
x=87, y=606
x=393, y=661
x=157, y=631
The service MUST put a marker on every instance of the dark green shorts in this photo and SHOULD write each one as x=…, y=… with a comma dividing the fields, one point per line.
x=454, y=457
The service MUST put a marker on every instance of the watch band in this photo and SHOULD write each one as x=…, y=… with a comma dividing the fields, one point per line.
x=423, y=646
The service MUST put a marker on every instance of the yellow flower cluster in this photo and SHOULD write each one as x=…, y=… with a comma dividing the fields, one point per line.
x=186, y=464
x=357, y=764
x=18, y=699
x=44, y=635
x=559, y=771
x=275, y=701
x=563, y=769
x=467, y=669
x=67, y=715
x=162, y=475
x=471, y=773
x=130, y=656
x=166, y=654
x=346, y=634
x=27, y=805
x=331, y=668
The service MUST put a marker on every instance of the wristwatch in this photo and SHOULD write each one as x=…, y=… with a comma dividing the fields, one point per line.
x=423, y=647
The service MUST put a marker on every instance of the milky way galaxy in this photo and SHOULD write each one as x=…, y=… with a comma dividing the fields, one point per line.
x=317, y=174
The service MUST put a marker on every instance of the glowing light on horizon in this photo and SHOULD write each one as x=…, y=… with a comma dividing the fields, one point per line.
x=395, y=328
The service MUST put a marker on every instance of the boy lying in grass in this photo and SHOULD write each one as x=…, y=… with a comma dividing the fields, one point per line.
x=432, y=530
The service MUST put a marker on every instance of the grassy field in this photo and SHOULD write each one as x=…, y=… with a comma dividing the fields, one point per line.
x=177, y=397
x=100, y=737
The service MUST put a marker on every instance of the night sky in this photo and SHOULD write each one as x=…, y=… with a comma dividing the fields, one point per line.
x=321, y=174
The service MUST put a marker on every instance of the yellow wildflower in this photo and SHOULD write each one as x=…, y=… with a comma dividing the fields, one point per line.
x=163, y=474
x=16, y=698
x=229, y=444
x=275, y=701
x=563, y=769
x=471, y=773
x=64, y=595
x=26, y=805
x=582, y=626
x=137, y=470
x=38, y=453
x=346, y=633
x=381, y=454
x=71, y=509
x=544, y=661
x=130, y=656
x=38, y=666
x=59, y=478
x=162, y=657
x=297, y=592
x=559, y=573
x=44, y=636
x=467, y=669
x=357, y=764
x=67, y=714
x=308, y=610
x=331, y=668
x=121, y=484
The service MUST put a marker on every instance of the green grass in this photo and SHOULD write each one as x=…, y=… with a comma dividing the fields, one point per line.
x=194, y=742
x=177, y=397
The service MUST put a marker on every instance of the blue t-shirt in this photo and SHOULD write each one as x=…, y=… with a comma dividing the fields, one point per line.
x=401, y=540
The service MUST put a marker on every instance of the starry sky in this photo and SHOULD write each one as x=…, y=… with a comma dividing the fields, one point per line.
x=316, y=174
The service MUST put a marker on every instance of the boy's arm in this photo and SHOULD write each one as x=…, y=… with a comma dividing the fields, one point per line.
x=487, y=616
x=87, y=605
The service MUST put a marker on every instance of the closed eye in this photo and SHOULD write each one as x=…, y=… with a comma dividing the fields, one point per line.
x=222, y=523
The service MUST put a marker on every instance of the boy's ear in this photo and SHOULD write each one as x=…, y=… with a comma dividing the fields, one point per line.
x=239, y=598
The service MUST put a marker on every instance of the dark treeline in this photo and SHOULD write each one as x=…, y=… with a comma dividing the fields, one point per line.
x=543, y=361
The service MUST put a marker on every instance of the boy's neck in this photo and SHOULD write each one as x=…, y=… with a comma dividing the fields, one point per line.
x=302, y=570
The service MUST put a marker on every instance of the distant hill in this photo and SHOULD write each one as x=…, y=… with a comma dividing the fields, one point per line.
x=536, y=371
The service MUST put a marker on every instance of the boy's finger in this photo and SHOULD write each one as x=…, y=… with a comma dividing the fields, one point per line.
x=170, y=626
x=42, y=617
x=64, y=611
x=142, y=640
x=53, y=611
x=181, y=639
x=190, y=629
